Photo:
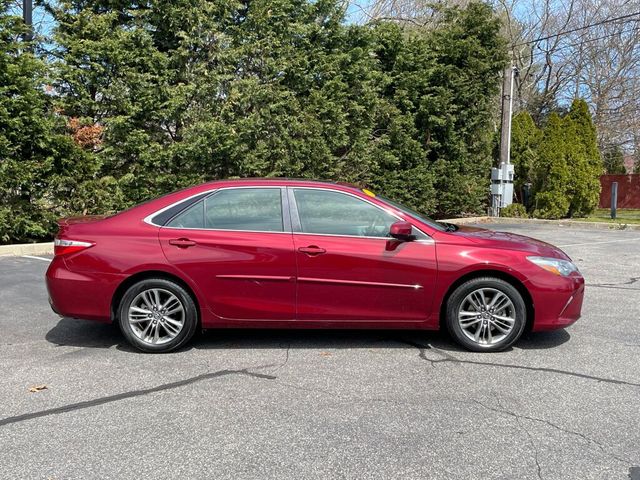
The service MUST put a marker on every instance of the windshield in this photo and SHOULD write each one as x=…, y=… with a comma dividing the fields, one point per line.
x=413, y=213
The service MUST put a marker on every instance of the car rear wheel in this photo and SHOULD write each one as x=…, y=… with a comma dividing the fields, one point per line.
x=486, y=314
x=157, y=315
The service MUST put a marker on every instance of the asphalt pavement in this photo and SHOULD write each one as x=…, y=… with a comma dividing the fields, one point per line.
x=263, y=404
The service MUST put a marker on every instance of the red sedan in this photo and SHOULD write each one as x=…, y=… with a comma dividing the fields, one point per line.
x=304, y=254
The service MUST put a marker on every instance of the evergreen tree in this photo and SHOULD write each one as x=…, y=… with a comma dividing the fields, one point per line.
x=584, y=160
x=525, y=139
x=39, y=162
x=442, y=82
x=189, y=91
x=195, y=90
x=567, y=170
x=552, y=175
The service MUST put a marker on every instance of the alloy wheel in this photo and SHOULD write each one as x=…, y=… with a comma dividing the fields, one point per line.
x=156, y=316
x=486, y=316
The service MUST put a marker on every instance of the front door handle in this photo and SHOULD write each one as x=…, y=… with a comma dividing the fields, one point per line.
x=182, y=242
x=312, y=250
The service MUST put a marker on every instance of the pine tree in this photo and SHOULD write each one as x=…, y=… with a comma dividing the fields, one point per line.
x=39, y=162
x=442, y=82
x=551, y=173
x=188, y=91
x=584, y=160
x=568, y=165
x=193, y=90
x=525, y=139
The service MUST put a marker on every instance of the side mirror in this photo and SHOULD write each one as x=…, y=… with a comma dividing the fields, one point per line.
x=402, y=231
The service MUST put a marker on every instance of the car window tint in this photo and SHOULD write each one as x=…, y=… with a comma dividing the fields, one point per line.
x=162, y=217
x=192, y=217
x=257, y=209
x=334, y=213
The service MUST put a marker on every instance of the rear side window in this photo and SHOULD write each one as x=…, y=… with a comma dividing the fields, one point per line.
x=162, y=217
x=192, y=217
x=252, y=209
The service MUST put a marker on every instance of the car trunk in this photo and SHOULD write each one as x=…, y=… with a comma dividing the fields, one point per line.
x=64, y=224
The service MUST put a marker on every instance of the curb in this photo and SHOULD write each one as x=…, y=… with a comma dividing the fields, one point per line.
x=537, y=221
x=465, y=220
x=27, y=249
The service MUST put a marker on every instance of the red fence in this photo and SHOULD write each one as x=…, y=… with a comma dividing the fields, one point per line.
x=628, y=190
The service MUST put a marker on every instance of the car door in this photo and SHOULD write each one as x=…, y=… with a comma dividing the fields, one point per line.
x=349, y=269
x=236, y=244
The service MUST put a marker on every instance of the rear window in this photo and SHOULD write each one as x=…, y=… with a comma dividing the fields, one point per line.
x=164, y=216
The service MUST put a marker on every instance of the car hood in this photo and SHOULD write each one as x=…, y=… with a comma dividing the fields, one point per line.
x=509, y=241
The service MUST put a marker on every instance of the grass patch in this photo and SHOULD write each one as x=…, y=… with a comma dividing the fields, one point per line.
x=627, y=215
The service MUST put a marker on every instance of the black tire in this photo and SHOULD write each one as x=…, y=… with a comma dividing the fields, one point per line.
x=517, y=309
x=189, y=315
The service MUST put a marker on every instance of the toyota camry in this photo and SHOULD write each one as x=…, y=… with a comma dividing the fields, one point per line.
x=304, y=254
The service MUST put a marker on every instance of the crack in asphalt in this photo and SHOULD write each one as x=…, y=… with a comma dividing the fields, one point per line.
x=618, y=285
x=286, y=359
x=615, y=287
x=451, y=359
x=534, y=445
x=423, y=352
x=133, y=393
x=588, y=439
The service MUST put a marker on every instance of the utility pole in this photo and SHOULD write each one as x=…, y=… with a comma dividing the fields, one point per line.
x=502, y=177
x=27, y=16
x=507, y=107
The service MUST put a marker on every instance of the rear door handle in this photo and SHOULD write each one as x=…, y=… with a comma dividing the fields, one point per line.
x=312, y=250
x=182, y=242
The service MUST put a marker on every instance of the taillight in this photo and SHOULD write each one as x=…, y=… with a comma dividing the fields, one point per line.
x=64, y=247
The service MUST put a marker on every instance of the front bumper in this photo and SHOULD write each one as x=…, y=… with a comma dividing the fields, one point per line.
x=557, y=300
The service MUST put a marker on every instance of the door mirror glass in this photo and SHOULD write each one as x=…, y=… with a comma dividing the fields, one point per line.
x=402, y=231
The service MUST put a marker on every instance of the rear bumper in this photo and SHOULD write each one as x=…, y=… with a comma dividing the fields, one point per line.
x=84, y=295
x=557, y=302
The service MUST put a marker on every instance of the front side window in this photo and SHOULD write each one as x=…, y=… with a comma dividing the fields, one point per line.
x=252, y=209
x=413, y=213
x=334, y=213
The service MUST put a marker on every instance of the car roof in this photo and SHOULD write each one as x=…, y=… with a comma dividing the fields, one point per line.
x=284, y=181
x=154, y=206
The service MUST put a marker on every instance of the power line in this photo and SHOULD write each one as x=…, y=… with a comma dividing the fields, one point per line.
x=587, y=40
x=564, y=32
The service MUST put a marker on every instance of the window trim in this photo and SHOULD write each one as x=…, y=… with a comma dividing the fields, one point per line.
x=284, y=205
x=187, y=201
x=297, y=224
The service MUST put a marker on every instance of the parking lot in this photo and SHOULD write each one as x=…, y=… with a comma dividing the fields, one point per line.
x=328, y=404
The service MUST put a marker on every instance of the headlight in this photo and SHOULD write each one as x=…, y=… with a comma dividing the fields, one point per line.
x=554, y=265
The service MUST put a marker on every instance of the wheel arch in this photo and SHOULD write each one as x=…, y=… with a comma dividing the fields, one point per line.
x=144, y=275
x=488, y=272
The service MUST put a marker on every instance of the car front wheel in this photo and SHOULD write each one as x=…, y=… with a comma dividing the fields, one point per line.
x=486, y=314
x=157, y=315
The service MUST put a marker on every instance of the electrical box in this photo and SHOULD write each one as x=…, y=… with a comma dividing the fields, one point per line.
x=502, y=185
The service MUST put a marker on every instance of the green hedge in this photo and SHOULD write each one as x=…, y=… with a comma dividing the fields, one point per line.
x=151, y=98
